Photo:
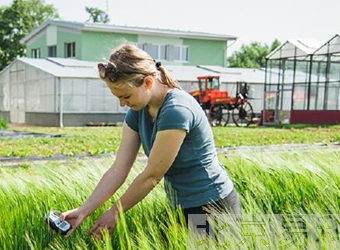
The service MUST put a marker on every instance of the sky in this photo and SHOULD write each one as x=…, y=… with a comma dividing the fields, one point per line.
x=249, y=20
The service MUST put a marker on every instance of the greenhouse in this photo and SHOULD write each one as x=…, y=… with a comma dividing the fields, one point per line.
x=68, y=92
x=56, y=92
x=302, y=83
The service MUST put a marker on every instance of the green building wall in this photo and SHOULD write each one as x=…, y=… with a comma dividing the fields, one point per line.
x=98, y=45
x=68, y=37
x=39, y=43
x=206, y=52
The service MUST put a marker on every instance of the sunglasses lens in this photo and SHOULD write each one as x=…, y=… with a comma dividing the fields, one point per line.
x=101, y=70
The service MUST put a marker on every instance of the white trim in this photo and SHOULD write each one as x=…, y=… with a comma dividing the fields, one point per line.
x=76, y=26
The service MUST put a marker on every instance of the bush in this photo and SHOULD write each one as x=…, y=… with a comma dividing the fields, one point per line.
x=3, y=123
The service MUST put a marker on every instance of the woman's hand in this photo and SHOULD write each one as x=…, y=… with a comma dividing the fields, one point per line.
x=75, y=217
x=107, y=221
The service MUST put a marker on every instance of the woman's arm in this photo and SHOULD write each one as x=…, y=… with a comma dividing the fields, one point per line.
x=117, y=173
x=163, y=153
x=113, y=178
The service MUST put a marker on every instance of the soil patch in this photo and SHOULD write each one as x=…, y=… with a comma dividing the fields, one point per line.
x=12, y=134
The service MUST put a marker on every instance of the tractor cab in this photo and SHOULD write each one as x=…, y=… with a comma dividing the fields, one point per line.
x=209, y=91
x=207, y=83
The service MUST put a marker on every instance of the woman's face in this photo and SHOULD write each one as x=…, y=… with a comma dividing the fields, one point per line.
x=131, y=96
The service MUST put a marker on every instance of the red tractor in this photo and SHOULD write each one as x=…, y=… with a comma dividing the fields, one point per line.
x=219, y=105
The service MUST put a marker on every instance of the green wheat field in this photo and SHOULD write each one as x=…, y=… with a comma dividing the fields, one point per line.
x=274, y=182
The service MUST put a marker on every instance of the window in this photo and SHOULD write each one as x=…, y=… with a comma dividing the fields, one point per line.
x=166, y=52
x=35, y=53
x=152, y=50
x=70, y=49
x=185, y=53
x=52, y=51
x=163, y=50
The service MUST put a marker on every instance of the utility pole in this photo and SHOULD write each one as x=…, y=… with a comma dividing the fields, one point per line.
x=107, y=7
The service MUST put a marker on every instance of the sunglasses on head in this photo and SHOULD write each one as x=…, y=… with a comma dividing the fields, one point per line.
x=109, y=71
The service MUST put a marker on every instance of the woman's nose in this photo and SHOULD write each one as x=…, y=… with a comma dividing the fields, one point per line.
x=122, y=102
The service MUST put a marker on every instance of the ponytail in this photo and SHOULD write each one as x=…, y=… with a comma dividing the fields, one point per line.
x=166, y=78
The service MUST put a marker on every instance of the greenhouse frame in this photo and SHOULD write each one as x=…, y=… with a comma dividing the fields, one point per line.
x=302, y=83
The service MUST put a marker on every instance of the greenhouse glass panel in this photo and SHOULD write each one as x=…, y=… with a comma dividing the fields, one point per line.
x=270, y=100
x=96, y=103
x=273, y=71
x=322, y=72
x=320, y=96
x=67, y=87
x=300, y=97
x=302, y=72
x=74, y=103
x=288, y=77
x=334, y=73
x=313, y=96
x=271, y=88
x=97, y=88
x=287, y=97
x=332, y=101
x=111, y=104
x=79, y=87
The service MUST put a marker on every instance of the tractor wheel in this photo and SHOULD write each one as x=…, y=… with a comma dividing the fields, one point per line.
x=243, y=115
x=218, y=115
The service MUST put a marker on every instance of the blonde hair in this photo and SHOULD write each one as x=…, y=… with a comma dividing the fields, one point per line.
x=131, y=64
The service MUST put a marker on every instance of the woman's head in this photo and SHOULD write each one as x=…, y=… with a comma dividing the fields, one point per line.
x=129, y=65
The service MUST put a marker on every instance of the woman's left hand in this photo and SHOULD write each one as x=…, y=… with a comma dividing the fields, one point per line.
x=107, y=221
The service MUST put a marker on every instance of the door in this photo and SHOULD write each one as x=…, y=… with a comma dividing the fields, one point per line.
x=17, y=108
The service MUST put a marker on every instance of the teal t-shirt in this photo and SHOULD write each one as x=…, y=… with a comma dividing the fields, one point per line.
x=196, y=177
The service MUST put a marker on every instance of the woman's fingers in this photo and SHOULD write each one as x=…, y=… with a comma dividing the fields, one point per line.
x=70, y=232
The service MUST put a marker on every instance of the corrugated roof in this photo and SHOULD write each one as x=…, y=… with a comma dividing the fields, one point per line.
x=126, y=29
x=61, y=67
x=73, y=68
x=237, y=74
x=187, y=73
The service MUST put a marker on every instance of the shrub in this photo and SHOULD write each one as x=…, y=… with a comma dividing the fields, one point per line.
x=3, y=123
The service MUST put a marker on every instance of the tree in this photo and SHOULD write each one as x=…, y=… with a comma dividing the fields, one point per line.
x=252, y=56
x=97, y=15
x=16, y=21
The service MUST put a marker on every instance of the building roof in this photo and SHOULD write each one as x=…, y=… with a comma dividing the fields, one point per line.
x=332, y=46
x=187, y=73
x=62, y=67
x=74, y=68
x=111, y=28
x=295, y=48
x=237, y=74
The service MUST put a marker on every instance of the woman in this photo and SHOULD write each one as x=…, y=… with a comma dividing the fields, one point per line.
x=175, y=135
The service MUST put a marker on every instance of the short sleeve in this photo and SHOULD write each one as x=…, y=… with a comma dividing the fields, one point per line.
x=131, y=119
x=176, y=117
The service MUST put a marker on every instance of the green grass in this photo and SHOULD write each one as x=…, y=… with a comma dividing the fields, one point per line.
x=74, y=141
x=293, y=134
x=102, y=140
x=269, y=182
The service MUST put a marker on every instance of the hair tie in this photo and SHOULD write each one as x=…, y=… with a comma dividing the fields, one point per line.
x=158, y=65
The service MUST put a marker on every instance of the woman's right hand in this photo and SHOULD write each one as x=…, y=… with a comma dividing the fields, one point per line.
x=75, y=217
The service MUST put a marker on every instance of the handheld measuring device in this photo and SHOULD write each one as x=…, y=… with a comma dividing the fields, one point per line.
x=56, y=224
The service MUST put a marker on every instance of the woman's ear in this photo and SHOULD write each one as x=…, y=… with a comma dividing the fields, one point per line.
x=149, y=81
